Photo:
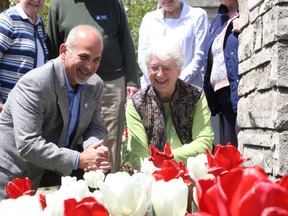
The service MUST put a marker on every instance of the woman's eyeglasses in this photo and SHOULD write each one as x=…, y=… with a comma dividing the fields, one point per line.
x=156, y=69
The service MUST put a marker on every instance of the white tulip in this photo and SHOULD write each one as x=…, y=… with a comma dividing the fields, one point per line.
x=169, y=198
x=94, y=178
x=77, y=190
x=22, y=206
x=146, y=181
x=55, y=204
x=97, y=194
x=70, y=188
x=124, y=195
x=147, y=166
x=197, y=168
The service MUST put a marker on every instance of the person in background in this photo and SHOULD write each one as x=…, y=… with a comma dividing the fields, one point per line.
x=50, y=110
x=168, y=109
x=118, y=68
x=179, y=21
x=22, y=43
x=221, y=68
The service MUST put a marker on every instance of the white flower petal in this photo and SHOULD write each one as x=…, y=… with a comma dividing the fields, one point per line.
x=170, y=198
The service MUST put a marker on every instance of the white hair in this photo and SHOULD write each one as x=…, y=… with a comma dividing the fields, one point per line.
x=166, y=49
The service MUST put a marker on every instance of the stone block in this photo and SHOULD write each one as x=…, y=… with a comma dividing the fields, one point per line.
x=256, y=60
x=279, y=66
x=245, y=44
x=253, y=3
x=257, y=34
x=280, y=159
x=281, y=20
x=258, y=78
x=268, y=28
x=267, y=110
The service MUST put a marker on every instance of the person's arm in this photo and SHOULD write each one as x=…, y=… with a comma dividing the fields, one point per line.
x=27, y=108
x=195, y=66
x=137, y=139
x=202, y=133
x=128, y=49
x=143, y=45
x=54, y=38
x=6, y=29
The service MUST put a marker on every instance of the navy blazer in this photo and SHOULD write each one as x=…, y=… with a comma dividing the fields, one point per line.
x=230, y=48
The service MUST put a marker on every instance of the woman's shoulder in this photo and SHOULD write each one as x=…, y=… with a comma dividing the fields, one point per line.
x=152, y=15
x=9, y=13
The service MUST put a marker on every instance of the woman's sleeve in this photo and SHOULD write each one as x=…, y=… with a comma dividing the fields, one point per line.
x=202, y=133
x=137, y=138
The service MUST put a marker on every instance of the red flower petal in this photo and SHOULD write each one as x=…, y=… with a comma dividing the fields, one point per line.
x=263, y=195
x=283, y=182
x=224, y=159
x=158, y=157
x=86, y=207
x=19, y=187
x=42, y=199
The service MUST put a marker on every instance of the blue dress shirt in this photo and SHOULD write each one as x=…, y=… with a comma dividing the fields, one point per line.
x=74, y=102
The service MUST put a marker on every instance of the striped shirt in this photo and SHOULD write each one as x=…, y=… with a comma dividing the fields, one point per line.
x=18, y=47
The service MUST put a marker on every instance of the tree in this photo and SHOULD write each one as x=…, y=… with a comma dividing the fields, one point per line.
x=4, y=4
x=136, y=9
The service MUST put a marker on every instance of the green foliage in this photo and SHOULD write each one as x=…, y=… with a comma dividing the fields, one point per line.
x=44, y=12
x=136, y=9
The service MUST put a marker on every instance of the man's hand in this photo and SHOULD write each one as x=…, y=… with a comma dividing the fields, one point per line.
x=96, y=156
x=130, y=91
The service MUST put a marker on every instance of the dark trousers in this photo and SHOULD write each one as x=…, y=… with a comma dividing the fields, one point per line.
x=51, y=178
x=228, y=117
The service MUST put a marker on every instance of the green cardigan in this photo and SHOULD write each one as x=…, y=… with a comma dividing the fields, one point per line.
x=201, y=131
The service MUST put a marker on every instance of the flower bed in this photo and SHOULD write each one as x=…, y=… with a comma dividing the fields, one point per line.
x=212, y=184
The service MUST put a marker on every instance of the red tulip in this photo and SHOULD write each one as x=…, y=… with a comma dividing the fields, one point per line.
x=171, y=170
x=125, y=132
x=88, y=206
x=242, y=191
x=224, y=159
x=265, y=195
x=198, y=214
x=283, y=182
x=158, y=157
x=19, y=187
x=42, y=199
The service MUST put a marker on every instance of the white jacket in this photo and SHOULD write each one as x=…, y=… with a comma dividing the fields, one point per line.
x=190, y=30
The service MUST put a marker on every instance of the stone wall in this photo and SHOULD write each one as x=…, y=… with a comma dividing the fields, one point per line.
x=263, y=86
x=210, y=6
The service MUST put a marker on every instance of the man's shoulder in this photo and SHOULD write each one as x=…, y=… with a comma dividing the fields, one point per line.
x=95, y=80
x=43, y=72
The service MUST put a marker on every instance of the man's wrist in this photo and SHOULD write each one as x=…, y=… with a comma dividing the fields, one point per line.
x=76, y=163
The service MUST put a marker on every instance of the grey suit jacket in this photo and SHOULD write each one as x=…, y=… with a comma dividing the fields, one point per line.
x=34, y=123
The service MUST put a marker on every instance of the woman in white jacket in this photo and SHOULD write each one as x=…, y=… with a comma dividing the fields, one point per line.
x=188, y=25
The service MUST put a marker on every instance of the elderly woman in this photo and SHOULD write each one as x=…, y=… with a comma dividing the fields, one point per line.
x=221, y=68
x=22, y=43
x=173, y=17
x=167, y=110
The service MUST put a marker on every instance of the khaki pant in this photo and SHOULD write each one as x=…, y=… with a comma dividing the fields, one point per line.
x=113, y=114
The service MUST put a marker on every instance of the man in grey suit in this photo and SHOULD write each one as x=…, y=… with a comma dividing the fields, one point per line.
x=50, y=110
